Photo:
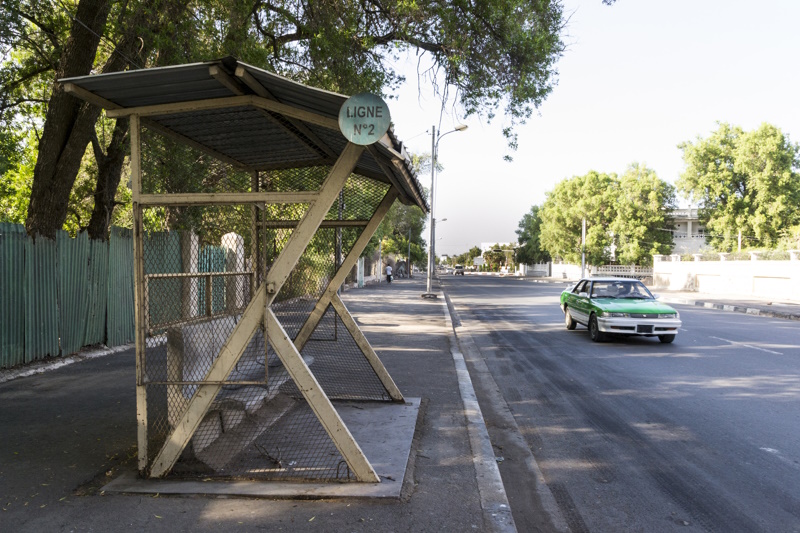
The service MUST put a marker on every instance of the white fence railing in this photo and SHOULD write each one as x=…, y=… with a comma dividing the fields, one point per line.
x=624, y=271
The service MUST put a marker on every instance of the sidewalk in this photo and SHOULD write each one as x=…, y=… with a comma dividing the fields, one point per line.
x=731, y=302
x=69, y=431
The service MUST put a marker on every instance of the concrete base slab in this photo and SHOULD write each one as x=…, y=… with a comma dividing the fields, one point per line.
x=384, y=431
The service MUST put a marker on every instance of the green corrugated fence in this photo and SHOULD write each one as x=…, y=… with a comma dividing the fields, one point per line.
x=12, y=296
x=120, y=320
x=54, y=294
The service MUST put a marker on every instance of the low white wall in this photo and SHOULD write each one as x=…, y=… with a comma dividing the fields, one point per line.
x=567, y=271
x=779, y=280
x=537, y=269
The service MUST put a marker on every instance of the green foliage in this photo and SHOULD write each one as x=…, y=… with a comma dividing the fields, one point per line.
x=774, y=255
x=592, y=197
x=744, y=181
x=467, y=257
x=393, y=233
x=528, y=236
x=790, y=238
x=631, y=212
x=642, y=222
x=15, y=183
x=499, y=256
x=491, y=54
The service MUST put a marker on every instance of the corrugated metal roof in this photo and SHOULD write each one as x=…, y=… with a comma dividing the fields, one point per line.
x=255, y=138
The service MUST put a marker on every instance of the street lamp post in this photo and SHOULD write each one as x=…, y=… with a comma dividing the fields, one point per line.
x=434, y=147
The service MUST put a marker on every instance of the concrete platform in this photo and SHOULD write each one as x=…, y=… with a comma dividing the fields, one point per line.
x=384, y=431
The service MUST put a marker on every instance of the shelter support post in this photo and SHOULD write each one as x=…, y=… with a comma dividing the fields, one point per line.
x=139, y=292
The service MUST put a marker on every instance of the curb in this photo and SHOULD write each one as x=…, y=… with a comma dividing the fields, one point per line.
x=494, y=501
x=54, y=363
x=732, y=308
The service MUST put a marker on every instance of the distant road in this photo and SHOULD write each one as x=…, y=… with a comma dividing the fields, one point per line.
x=632, y=434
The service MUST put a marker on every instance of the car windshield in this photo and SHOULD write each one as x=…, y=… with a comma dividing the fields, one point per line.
x=632, y=289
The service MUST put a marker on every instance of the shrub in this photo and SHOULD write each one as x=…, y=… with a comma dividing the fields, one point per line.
x=774, y=255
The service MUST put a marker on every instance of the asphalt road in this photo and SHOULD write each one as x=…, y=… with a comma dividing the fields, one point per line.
x=632, y=434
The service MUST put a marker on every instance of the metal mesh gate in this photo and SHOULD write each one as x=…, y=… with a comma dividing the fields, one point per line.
x=199, y=277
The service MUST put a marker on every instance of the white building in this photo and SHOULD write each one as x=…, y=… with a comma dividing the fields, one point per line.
x=689, y=234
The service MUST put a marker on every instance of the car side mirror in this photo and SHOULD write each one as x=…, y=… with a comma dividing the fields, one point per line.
x=583, y=294
x=656, y=296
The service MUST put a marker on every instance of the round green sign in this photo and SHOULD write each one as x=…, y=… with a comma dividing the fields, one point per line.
x=364, y=118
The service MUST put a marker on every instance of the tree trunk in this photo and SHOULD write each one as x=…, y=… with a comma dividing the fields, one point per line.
x=109, y=172
x=68, y=125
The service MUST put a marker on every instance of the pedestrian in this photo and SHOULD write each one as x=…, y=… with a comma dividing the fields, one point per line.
x=388, y=273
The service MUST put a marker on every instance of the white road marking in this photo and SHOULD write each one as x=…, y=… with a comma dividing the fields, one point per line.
x=746, y=345
x=778, y=454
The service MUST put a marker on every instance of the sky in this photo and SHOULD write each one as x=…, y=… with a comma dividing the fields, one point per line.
x=637, y=79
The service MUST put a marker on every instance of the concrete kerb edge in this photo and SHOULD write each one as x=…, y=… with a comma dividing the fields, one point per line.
x=494, y=501
x=731, y=308
x=55, y=363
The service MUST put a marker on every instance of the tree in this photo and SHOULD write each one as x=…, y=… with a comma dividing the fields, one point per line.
x=743, y=181
x=400, y=223
x=490, y=54
x=494, y=258
x=631, y=212
x=467, y=257
x=642, y=223
x=590, y=197
x=528, y=236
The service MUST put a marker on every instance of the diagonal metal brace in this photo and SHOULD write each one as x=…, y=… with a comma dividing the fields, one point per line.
x=366, y=349
x=319, y=401
x=254, y=315
x=341, y=274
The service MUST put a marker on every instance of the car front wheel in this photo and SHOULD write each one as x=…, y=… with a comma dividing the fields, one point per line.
x=666, y=339
x=568, y=320
x=594, y=330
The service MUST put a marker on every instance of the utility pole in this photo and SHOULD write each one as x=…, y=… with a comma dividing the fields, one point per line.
x=583, y=250
x=428, y=292
x=409, y=253
x=431, y=247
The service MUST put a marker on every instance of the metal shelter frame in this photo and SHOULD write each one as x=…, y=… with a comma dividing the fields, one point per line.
x=262, y=122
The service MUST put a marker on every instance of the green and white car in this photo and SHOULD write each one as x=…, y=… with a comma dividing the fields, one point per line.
x=618, y=306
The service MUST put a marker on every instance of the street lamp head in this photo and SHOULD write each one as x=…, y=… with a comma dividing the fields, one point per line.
x=461, y=127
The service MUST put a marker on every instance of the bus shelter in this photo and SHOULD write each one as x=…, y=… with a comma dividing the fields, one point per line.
x=244, y=347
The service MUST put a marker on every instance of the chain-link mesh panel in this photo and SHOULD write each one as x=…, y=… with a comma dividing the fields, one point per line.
x=169, y=166
x=294, y=179
x=358, y=199
x=339, y=364
x=199, y=278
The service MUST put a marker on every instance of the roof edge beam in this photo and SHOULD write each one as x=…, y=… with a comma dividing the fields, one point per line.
x=89, y=96
x=222, y=103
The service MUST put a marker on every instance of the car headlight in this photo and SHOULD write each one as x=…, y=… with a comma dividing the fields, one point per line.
x=618, y=315
x=669, y=315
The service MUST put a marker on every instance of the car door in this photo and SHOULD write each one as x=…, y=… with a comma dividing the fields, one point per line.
x=578, y=302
